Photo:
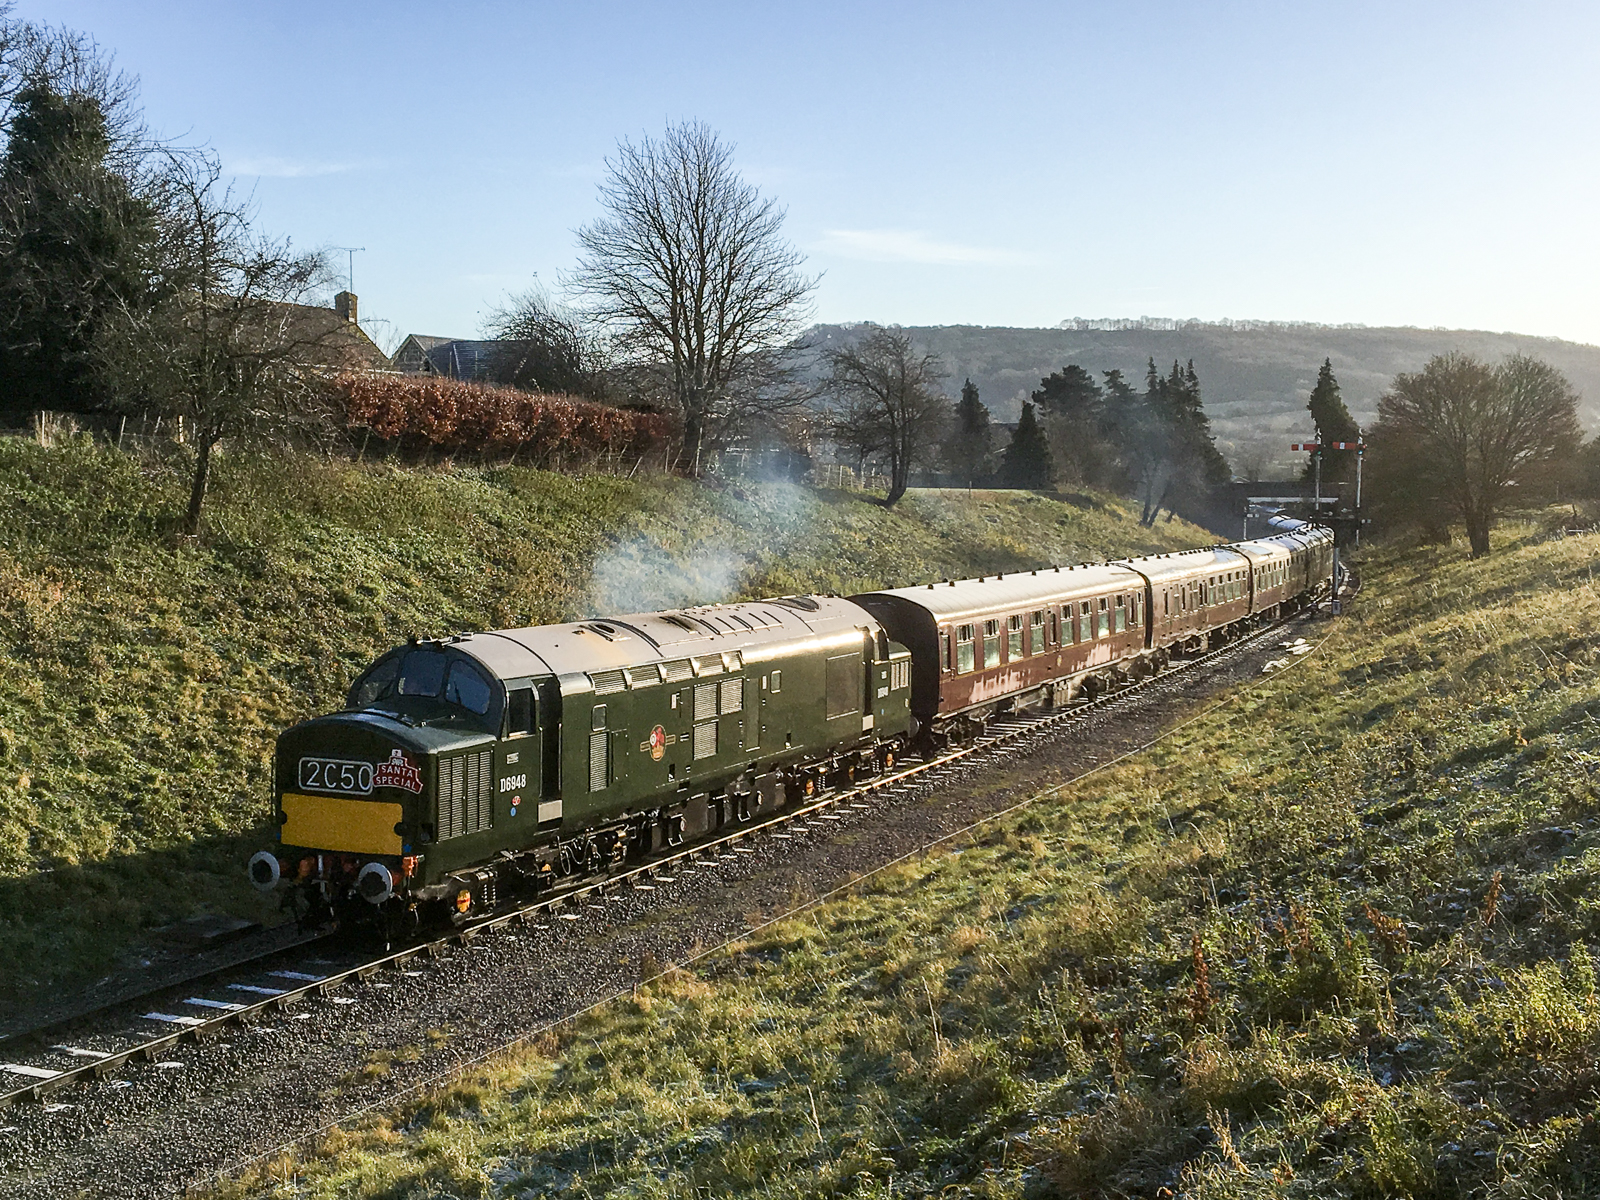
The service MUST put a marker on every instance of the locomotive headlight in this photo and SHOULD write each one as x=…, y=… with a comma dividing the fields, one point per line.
x=264, y=870
x=375, y=883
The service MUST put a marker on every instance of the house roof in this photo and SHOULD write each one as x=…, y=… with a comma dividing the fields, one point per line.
x=454, y=358
x=342, y=344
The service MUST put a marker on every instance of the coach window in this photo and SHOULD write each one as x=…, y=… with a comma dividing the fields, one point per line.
x=1122, y=614
x=947, y=660
x=1055, y=628
x=1104, y=627
x=1036, y=633
x=1014, y=638
x=991, y=644
x=965, y=649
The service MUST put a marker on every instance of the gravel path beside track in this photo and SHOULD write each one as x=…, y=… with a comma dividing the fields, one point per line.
x=165, y=1126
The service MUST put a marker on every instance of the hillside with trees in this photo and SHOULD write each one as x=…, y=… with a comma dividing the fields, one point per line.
x=1258, y=375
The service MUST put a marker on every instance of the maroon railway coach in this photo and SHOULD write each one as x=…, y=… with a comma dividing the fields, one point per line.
x=982, y=646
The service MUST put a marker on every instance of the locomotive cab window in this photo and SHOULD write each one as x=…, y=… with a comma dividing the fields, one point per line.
x=519, y=711
x=465, y=686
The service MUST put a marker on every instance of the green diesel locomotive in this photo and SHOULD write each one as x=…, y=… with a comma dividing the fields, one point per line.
x=466, y=768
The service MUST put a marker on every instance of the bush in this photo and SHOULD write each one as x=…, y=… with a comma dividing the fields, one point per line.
x=418, y=412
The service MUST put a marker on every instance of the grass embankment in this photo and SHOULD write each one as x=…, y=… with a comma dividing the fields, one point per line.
x=144, y=676
x=1331, y=939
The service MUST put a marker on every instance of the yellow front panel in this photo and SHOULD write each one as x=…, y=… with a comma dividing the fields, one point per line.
x=328, y=823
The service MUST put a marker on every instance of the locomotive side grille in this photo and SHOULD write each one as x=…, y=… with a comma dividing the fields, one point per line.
x=466, y=797
x=708, y=664
x=607, y=682
x=705, y=701
x=705, y=740
x=599, y=767
x=732, y=697
x=643, y=676
x=676, y=672
x=900, y=675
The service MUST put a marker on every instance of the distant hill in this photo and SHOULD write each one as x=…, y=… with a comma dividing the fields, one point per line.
x=1255, y=376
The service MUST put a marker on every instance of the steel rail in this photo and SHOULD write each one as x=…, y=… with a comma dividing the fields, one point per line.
x=204, y=1029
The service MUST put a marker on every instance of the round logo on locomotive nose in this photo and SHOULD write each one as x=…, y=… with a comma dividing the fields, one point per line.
x=658, y=743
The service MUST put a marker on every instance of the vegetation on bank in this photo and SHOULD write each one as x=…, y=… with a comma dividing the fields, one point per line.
x=146, y=674
x=1332, y=938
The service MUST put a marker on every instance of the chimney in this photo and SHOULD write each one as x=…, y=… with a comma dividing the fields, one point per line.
x=345, y=305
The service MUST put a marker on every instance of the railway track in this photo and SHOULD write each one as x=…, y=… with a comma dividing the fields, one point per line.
x=39, y=1064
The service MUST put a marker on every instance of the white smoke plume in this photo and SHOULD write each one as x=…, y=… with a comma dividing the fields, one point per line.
x=641, y=575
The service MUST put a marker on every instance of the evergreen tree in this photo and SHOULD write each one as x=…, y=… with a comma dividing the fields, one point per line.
x=1071, y=406
x=75, y=242
x=1027, y=462
x=971, y=442
x=1334, y=424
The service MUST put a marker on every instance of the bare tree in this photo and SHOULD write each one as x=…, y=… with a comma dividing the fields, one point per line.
x=545, y=347
x=892, y=402
x=689, y=270
x=1459, y=435
x=231, y=348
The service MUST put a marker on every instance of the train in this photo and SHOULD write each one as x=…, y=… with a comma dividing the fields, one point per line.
x=467, y=771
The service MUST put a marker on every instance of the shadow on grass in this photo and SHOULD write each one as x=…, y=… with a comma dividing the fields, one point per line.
x=82, y=927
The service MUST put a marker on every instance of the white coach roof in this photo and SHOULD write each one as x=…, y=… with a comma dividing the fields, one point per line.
x=1014, y=590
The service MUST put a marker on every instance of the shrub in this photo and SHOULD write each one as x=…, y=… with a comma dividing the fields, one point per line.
x=416, y=412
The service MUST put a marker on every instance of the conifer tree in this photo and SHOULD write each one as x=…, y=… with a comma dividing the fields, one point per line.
x=1334, y=424
x=75, y=242
x=971, y=443
x=1072, y=409
x=1027, y=462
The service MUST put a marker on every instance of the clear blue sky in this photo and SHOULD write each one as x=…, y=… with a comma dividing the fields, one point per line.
x=999, y=164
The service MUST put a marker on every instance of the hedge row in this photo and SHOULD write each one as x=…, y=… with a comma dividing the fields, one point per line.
x=418, y=411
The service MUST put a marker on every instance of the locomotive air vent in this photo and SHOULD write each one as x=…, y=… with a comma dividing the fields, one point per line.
x=606, y=682
x=803, y=603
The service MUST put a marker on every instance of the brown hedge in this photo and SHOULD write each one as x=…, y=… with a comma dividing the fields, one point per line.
x=419, y=411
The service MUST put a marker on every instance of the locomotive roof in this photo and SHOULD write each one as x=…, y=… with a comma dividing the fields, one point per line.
x=1016, y=590
x=1187, y=564
x=640, y=639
